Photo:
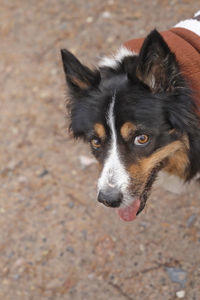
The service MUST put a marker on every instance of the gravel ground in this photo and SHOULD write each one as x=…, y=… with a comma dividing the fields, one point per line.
x=56, y=242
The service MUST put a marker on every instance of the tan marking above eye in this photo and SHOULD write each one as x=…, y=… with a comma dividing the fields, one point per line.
x=100, y=130
x=127, y=130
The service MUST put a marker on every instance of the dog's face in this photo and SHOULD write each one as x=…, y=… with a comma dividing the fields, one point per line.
x=129, y=113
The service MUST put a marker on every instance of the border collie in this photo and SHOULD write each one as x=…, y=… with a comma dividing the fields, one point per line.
x=138, y=110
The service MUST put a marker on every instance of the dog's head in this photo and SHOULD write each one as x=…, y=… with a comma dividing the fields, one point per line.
x=135, y=112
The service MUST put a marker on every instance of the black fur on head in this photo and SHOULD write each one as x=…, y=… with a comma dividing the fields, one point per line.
x=150, y=91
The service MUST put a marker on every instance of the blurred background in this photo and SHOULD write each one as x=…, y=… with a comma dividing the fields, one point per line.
x=56, y=242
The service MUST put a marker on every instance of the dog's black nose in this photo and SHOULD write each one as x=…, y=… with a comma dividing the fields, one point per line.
x=110, y=197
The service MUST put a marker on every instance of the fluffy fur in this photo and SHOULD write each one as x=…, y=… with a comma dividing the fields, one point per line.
x=131, y=98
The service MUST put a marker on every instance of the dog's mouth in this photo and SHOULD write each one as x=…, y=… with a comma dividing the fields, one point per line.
x=129, y=213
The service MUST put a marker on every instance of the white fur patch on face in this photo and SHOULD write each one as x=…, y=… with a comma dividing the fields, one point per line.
x=114, y=173
x=114, y=61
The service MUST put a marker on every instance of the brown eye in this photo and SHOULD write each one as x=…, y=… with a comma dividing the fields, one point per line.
x=141, y=139
x=96, y=143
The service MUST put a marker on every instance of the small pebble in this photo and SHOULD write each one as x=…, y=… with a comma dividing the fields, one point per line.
x=15, y=130
x=48, y=207
x=143, y=225
x=110, y=39
x=71, y=204
x=5, y=281
x=137, y=15
x=91, y=276
x=11, y=254
x=177, y=275
x=106, y=15
x=70, y=249
x=142, y=248
x=180, y=294
x=191, y=220
x=16, y=276
x=89, y=20
x=10, y=173
x=86, y=161
x=84, y=234
x=2, y=210
x=44, y=94
x=54, y=71
x=63, y=26
x=12, y=164
x=22, y=179
x=43, y=173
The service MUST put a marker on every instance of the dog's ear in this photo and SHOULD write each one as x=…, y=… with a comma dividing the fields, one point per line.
x=78, y=77
x=157, y=65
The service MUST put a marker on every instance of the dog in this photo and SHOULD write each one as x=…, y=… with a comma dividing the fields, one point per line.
x=139, y=112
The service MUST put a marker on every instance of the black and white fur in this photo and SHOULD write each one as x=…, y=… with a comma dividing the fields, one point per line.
x=147, y=89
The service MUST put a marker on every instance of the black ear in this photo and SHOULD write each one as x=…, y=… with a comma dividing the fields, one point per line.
x=79, y=77
x=157, y=65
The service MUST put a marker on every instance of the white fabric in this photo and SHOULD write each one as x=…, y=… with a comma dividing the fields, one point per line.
x=191, y=24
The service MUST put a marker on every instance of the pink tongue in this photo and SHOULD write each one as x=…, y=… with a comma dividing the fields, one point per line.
x=129, y=213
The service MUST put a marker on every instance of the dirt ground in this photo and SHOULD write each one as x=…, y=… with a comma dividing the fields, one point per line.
x=56, y=242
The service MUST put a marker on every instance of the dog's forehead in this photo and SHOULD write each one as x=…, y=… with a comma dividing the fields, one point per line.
x=143, y=112
x=132, y=106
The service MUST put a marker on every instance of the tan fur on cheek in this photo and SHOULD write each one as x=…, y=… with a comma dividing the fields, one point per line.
x=100, y=130
x=151, y=162
x=127, y=130
x=179, y=162
x=176, y=152
x=137, y=174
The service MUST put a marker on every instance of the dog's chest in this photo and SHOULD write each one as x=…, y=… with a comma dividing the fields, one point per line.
x=174, y=184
